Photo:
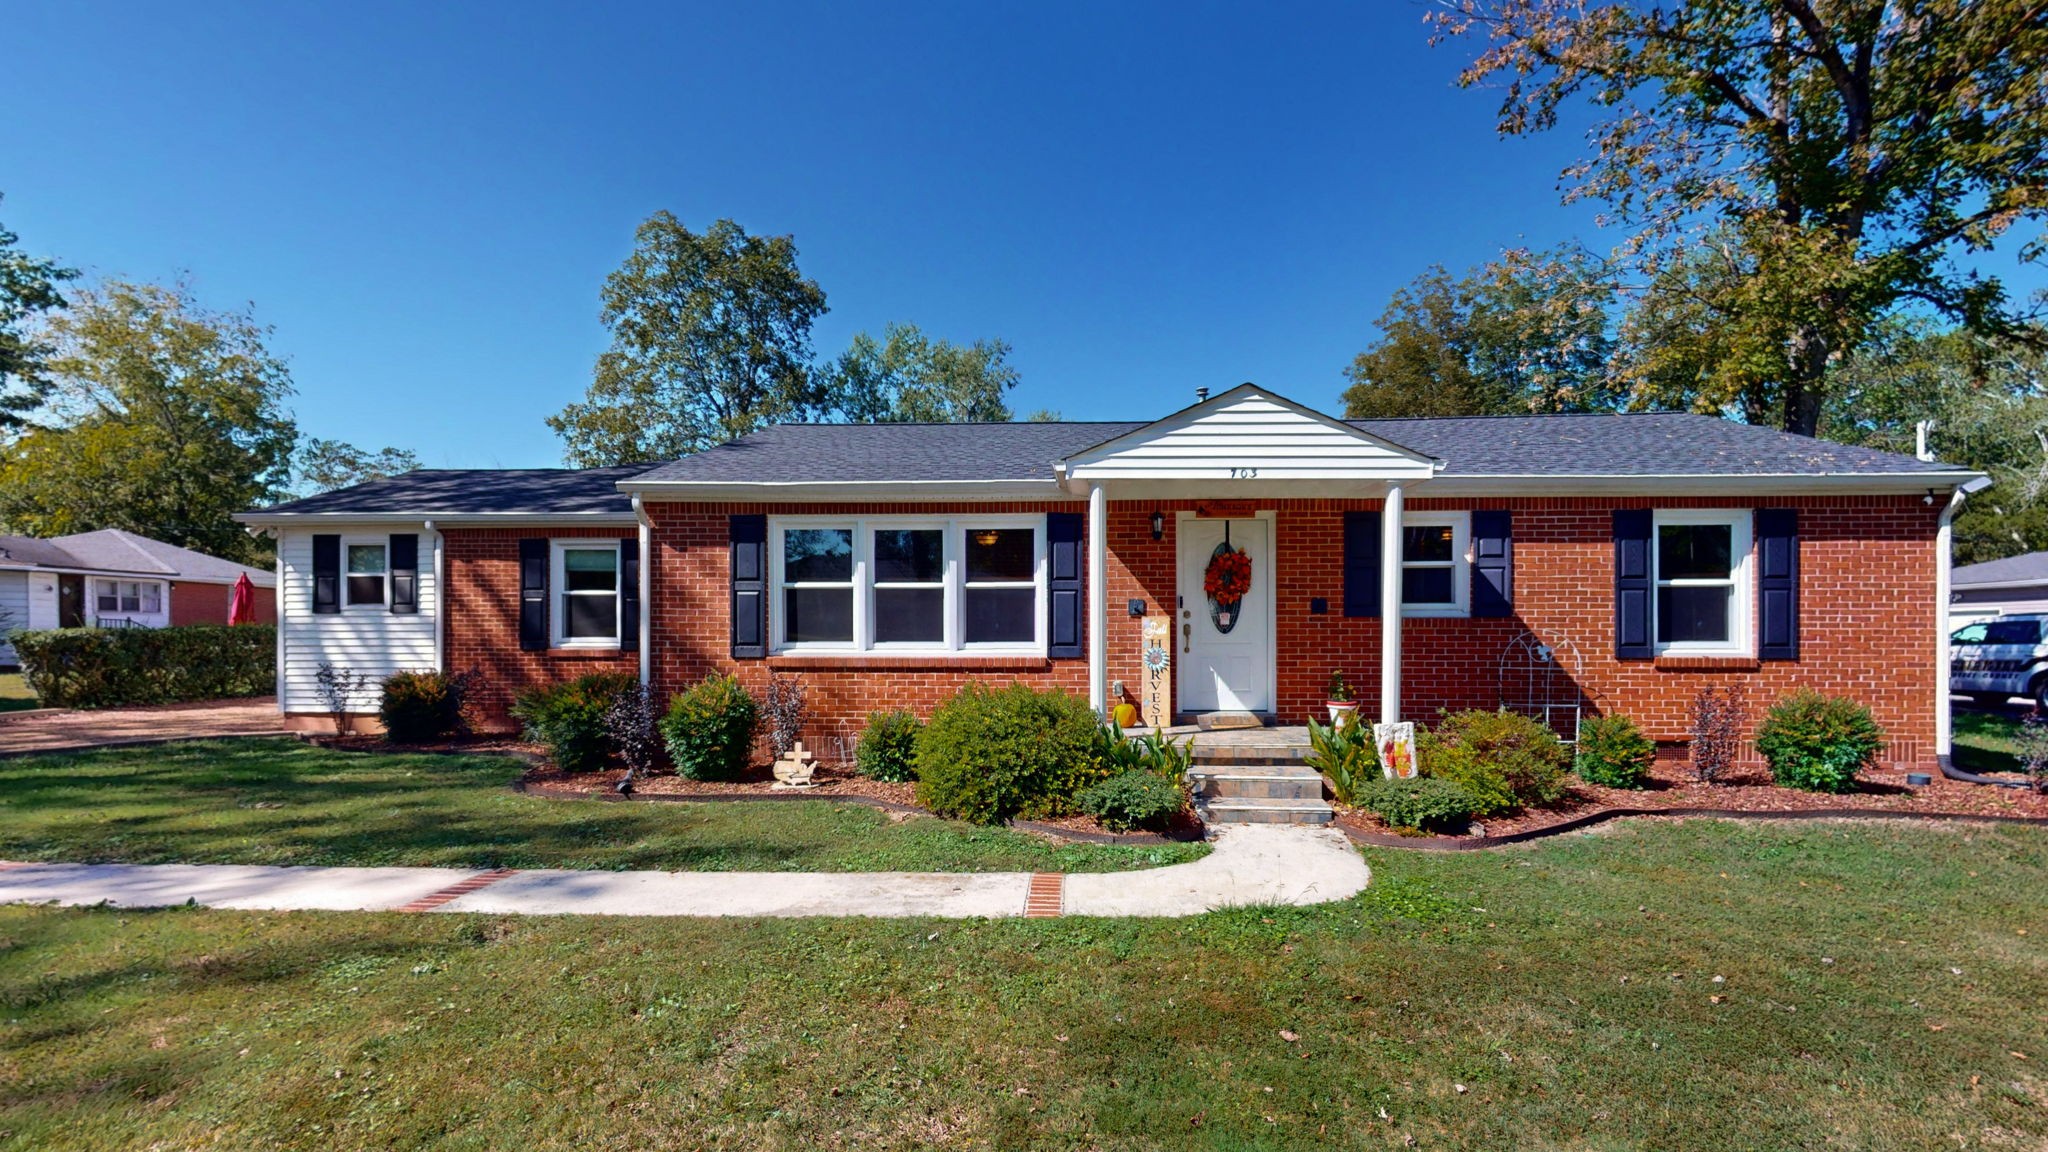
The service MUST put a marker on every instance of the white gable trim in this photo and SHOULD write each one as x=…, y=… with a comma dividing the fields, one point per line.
x=1248, y=433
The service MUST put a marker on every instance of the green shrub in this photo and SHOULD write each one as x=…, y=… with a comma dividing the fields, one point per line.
x=1818, y=742
x=1154, y=752
x=1503, y=760
x=420, y=706
x=1138, y=799
x=1427, y=804
x=888, y=747
x=1614, y=753
x=1346, y=756
x=989, y=754
x=710, y=729
x=568, y=718
x=109, y=667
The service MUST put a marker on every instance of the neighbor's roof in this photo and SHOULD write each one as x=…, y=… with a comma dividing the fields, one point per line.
x=2031, y=568
x=113, y=550
x=429, y=492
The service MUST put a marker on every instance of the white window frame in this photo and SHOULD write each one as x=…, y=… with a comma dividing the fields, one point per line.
x=381, y=544
x=558, y=593
x=1741, y=630
x=1460, y=563
x=140, y=586
x=864, y=527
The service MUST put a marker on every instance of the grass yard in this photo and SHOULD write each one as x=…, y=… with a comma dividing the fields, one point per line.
x=1883, y=987
x=1984, y=741
x=284, y=802
x=14, y=693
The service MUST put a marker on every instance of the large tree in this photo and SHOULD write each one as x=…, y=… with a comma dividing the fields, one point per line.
x=909, y=377
x=28, y=289
x=1530, y=332
x=166, y=419
x=324, y=465
x=711, y=338
x=1793, y=171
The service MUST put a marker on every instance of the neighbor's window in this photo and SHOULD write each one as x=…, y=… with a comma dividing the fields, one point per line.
x=116, y=596
x=366, y=572
x=1702, y=562
x=1436, y=567
x=970, y=583
x=586, y=583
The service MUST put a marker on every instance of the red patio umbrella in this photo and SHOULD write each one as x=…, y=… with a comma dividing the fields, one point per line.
x=242, y=607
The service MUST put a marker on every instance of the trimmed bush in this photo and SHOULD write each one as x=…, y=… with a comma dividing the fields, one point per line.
x=568, y=719
x=1818, y=742
x=710, y=729
x=109, y=667
x=1425, y=804
x=888, y=747
x=421, y=706
x=1503, y=760
x=1137, y=799
x=1614, y=753
x=989, y=754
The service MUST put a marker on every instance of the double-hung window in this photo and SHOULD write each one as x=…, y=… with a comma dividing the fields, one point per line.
x=1436, y=564
x=112, y=597
x=368, y=569
x=908, y=584
x=1701, y=569
x=586, y=584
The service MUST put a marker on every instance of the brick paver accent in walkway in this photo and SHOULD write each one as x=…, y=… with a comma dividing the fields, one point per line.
x=456, y=890
x=68, y=730
x=1046, y=895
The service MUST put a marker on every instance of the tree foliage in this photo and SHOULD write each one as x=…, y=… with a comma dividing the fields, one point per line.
x=1794, y=171
x=711, y=338
x=909, y=377
x=169, y=419
x=28, y=289
x=325, y=465
x=1530, y=332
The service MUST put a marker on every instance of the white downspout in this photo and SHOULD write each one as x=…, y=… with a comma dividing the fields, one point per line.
x=440, y=600
x=646, y=607
x=1098, y=599
x=1390, y=607
x=1944, y=725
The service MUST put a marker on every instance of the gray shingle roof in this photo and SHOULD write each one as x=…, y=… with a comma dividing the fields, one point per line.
x=430, y=491
x=113, y=550
x=824, y=453
x=2031, y=568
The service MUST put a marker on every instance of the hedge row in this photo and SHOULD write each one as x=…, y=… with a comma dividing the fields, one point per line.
x=104, y=668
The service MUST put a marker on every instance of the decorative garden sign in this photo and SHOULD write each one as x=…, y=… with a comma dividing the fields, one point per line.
x=1156, y=694
x=1397, y=749
x=1225, y=581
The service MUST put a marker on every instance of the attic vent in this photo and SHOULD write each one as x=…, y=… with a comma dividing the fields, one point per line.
x=1201, y=394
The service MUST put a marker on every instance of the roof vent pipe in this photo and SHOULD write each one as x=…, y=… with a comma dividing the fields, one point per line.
x=1201, y=394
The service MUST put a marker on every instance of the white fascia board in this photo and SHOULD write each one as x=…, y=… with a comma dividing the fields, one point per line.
x=1762, y=483
x=817, y=492
x=460, y=519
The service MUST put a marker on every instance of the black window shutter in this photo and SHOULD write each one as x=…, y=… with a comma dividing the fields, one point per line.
x=749, y=587
x=1066, y=586
x=1633, y=591
x=1361, y=563
x=1493, y=563
x=533, y=595
x=629, y=595
x=405, y=573
x=1777, y=551
x=326, y=574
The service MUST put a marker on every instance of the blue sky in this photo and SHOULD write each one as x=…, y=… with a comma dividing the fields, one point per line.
x=424, y=199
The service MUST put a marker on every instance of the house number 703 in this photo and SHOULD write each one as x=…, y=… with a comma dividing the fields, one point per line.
x=1244, y=473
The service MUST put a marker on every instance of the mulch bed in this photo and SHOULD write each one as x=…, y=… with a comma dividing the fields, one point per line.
x=1748, y=791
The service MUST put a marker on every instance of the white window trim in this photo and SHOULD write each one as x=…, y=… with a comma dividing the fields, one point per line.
x=558, y=593
x=1741, y=631
x=119, y=612
x=864, y=528
x=1460, y=564
x=382, y=544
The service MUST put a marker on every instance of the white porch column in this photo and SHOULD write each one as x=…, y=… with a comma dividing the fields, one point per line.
x=1098, y=599
x=1390, y=607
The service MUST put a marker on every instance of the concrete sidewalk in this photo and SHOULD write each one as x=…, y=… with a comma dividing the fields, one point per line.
x=1251, y=864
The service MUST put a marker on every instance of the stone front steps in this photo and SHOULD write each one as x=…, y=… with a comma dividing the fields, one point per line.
x=1256, y=781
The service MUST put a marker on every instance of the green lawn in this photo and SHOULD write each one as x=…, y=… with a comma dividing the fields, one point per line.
x=1983, y=741
x=1877, y=987
x=284, y=802
x=14, y=693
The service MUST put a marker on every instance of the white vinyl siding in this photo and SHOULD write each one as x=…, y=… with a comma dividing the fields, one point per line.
x=363, y=638
x=1250, y=437
x=13, y=609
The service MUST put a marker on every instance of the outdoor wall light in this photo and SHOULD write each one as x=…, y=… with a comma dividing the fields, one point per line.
x=1158, y=525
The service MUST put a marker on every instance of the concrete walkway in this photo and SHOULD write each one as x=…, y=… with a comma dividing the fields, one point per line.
x=1251, y=864
x=67, y=730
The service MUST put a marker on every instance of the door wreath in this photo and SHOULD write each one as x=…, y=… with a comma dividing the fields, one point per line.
x=1225, y=581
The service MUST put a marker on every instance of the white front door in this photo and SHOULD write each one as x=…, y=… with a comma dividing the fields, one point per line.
x=1225, y=652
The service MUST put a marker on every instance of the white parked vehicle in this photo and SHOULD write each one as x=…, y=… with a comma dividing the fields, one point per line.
x=1994, y=660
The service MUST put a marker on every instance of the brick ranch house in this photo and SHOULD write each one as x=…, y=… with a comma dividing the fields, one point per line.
x=1649, y=554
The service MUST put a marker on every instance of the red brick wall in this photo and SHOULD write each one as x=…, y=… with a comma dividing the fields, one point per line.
x=208, y=604
x=482, y=623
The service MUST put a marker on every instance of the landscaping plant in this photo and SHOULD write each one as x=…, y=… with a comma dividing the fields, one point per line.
x=782, y=706
x=1346, y=756
x=339, y=689
x=888, y=747
x=1426, y=804
x=710, y=729
x=419, y=706
x=1503, y=760
x=568, y=719
x=1818, y=742
x=630, y=726
x=989, y=754
x=2031, y=741
x=1614, y=753
x=1718, y=717
x=1154, y=752
x=110, y=667
x=1136, y=799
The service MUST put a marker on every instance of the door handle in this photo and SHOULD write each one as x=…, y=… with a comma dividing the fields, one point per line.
x=1187, y=638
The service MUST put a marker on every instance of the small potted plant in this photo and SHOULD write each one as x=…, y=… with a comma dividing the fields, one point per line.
x=1343, y=709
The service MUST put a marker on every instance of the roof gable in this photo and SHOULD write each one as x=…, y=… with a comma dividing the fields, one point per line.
x=1249, y=432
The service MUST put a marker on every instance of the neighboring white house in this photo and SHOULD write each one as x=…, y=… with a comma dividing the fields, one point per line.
x=2005, y=587
x=116, y=579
